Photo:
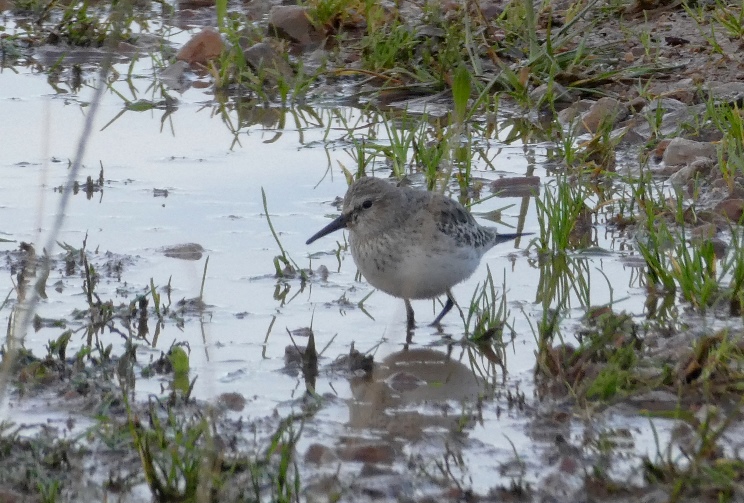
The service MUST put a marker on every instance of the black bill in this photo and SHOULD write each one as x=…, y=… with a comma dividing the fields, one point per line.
x=337, y=224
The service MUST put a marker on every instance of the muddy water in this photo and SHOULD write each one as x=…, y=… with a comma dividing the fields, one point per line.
x=185, y=178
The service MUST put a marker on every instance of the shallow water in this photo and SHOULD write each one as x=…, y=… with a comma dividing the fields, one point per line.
x=213, y=185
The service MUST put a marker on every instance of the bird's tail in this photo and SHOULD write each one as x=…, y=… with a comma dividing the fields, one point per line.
x=503, y=238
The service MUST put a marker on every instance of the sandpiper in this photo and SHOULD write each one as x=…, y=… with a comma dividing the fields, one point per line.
x=410, y=243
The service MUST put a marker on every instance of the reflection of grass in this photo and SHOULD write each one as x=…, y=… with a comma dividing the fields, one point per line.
x=515, y=51
x=677, y=264
x=487, y=313
x=563, y=277
x=559, y=213
x=85, y=25
x=174, y=439
x=290, y=266
x=703, y=468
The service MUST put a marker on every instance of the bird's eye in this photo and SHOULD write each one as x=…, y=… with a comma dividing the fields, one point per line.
x=367, y=204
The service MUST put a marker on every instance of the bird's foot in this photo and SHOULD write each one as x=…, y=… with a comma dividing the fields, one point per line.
x=447, y=306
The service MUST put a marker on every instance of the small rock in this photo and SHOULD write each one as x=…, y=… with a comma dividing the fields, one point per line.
x=319, y=454
x=636, y=104
x=324, y=489
x=687, y=96
x=262, y=58
x=490, y=9
x=369, y=453
x=561, y=486
x=232, y=401
x=731, y=209
x=719, y=247
x=684, y=151
x=554, y=93
x=660, y=149
x=729, y=92
x=567, y=116
x=704, y=232
x=666, y=104
x=292, y=23
x=720, y=184
x=10, y=496
x=174, y=76
x=671, y=122
x=202, y=48
x=637, y=52
x=404, y=381
x=684, y=90
x=186, y=251
x=302, y=332
x=708, y=216
x=195, y=4
x=654, y=400
x=384, y=486
x=293, y=355
x=700, y=166
x=605, y=110
x=516, y=186
x=737, y=191
x=355, y=362
x=655, y=496
x=322, y=272
x=430, y=31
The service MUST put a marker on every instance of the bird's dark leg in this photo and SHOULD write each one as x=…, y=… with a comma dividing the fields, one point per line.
x=410, y=322
x=447, y=306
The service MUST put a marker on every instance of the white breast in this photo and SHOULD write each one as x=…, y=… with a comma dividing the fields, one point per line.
x=414, y=272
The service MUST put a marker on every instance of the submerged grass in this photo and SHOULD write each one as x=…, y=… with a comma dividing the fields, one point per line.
x=487, y=313
x=562, y=214
x=173, y=437
x=182, y=461
x=290, y=268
